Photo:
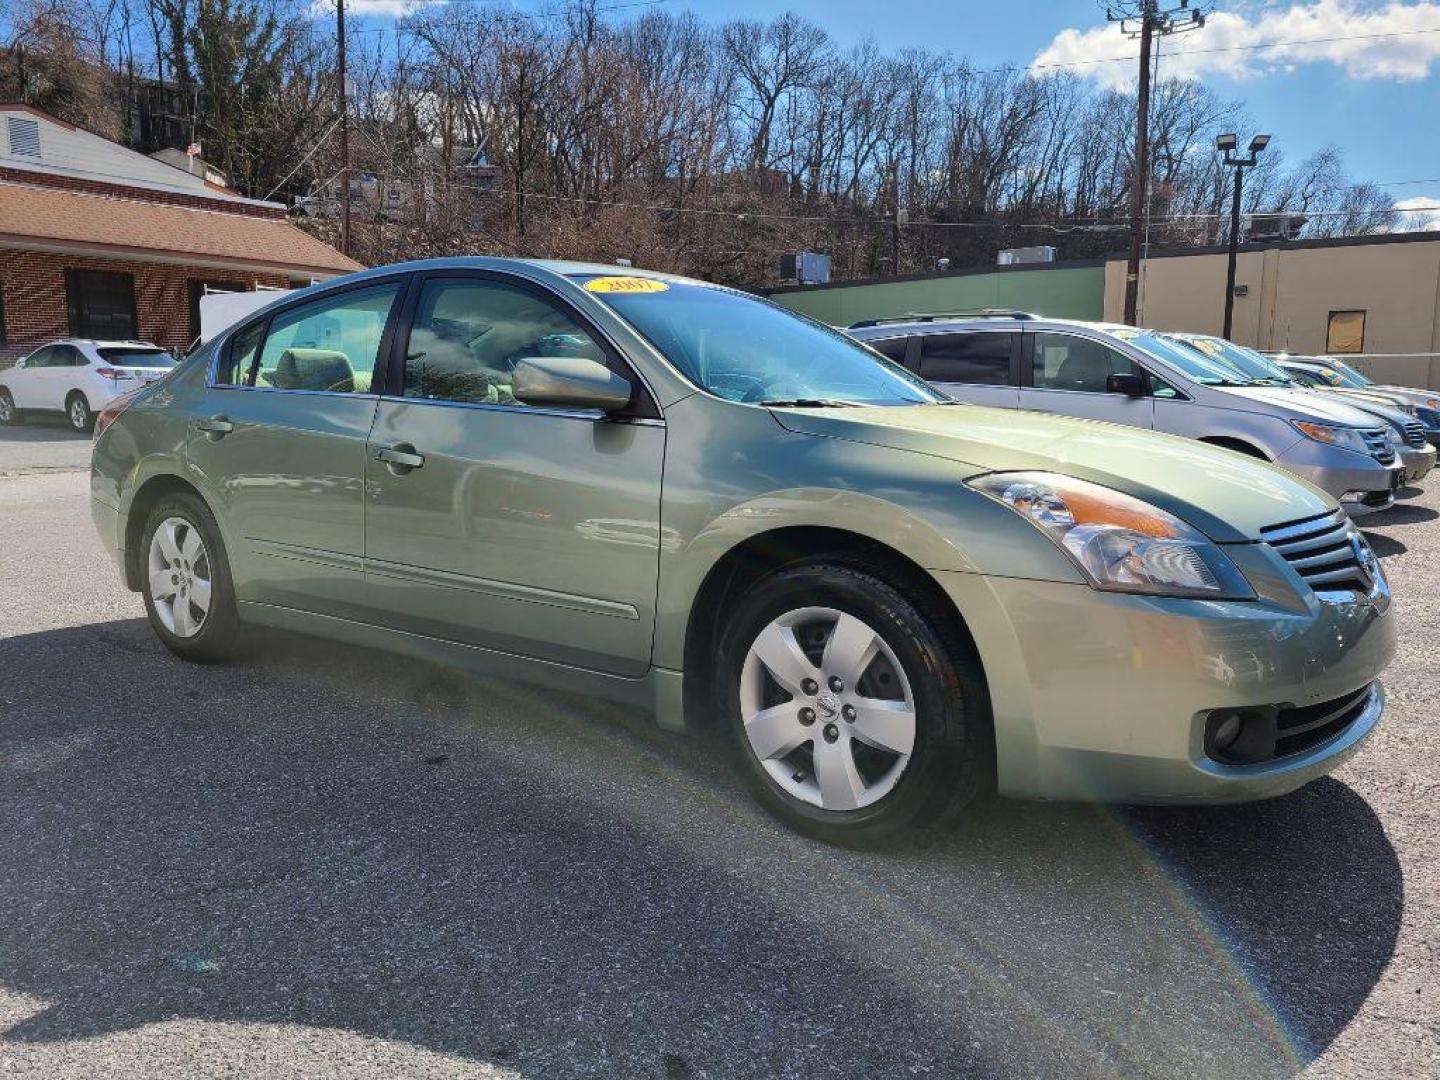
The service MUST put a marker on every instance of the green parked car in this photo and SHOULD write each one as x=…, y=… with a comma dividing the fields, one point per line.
x=685, y=498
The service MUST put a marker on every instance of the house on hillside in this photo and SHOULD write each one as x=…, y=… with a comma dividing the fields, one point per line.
x=98, y=241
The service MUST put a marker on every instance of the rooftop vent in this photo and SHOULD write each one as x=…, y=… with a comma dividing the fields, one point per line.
x=24, y=136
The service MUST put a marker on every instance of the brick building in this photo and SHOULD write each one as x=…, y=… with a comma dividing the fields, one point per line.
x=98, y=241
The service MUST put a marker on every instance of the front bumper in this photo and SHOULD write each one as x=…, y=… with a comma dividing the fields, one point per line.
x=1416, y=463
x=1361, y=484
x=1104, y=697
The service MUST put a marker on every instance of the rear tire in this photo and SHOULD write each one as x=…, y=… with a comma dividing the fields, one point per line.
x=77, y=411
x=185, y=580
x=9, y=414
x=904, y=744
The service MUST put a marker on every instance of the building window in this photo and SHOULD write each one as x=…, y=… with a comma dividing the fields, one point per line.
x=1346, y=332
x=102, y=304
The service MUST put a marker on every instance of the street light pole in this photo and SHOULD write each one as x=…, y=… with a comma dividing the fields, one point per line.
x=1226, y=145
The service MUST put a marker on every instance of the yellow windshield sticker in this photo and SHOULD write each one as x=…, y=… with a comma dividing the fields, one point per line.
x=625, y=285
x=1205, y=346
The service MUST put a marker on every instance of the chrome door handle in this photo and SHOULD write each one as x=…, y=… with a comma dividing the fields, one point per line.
x=217, y=427
x=401, y=459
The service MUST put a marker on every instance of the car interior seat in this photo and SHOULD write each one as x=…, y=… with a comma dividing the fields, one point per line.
x=314, y=369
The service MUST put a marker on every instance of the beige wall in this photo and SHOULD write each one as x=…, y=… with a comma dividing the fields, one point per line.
x=1292, y=292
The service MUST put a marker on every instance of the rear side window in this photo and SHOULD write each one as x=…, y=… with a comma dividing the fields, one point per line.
x=154, y=358
x=981, y=358
x=237, y=367
x=330, y=344
x=1066, y=362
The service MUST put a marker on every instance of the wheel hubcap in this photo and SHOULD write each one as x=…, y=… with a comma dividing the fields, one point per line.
x=77, y=414
x=828, y=710
x=179, y=577
x=4, y=407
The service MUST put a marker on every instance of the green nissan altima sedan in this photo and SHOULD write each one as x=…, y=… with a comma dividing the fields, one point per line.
x=684, y=498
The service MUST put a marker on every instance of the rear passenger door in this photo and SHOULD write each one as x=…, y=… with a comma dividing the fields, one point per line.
x=978, y=366
x=1067, y=375
x=278, y=445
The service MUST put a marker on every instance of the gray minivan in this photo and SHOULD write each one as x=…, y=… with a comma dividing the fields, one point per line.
x=1012, y=359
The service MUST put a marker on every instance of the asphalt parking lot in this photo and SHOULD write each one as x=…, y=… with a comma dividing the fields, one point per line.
x=324, y=861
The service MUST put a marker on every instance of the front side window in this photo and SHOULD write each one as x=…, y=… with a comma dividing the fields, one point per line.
x=42, y=358
x=236, y=366
x=749, y=350
x=100, y=304
x=1081, y=365
x=329, y=344
x=982, y=358
x=1345, y=332
x=468, y=335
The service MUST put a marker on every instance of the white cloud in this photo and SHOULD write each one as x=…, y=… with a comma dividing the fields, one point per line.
x=385, y=9
x=1224, y=46
x=1418, y=214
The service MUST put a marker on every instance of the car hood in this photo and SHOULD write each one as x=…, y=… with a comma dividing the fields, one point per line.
x=1297, y=404
x=1225, y=495
x=1371, y=404
x=1429, y=399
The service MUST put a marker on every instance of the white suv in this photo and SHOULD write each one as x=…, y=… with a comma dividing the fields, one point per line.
x=78, y=378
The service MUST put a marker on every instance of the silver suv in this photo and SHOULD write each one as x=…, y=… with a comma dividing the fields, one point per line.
x=1012, y=359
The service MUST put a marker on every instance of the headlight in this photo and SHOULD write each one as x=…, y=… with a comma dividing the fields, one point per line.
x=1120, y=543
x=1344, y=437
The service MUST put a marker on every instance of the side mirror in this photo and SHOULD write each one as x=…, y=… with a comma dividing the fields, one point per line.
x=569, y=382
x=1129, y=384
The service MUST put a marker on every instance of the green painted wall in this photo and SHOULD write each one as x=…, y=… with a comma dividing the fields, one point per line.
x=1061, y=292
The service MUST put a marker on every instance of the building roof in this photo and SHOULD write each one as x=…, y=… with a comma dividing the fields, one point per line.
x=62, y=150
x=45, y=218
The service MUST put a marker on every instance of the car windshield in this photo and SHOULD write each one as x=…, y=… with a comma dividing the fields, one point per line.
x=1189, y=362
x=1346, y=375
x=1250, y=365
x=136, y=357
x=750, y=350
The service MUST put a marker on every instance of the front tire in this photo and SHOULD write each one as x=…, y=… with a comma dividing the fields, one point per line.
x=9, y=414
x=77, y=411
x=858, y=707
x=186, y=583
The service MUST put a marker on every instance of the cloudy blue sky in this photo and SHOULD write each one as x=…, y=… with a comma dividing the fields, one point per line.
x=1361, y=74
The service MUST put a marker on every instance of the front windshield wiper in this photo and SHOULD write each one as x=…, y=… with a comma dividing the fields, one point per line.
x=809, y=403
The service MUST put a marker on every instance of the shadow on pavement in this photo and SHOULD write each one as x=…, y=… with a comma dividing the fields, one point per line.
x=339, y=838
x=41, y=427
x=1400, y=514
x=1385, y=545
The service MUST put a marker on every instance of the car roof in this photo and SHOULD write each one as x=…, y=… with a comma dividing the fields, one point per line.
x=994, y=318
x=560, y=268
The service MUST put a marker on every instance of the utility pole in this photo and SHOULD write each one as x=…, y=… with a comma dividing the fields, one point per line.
x=1143, y=20
x=344, y=130
x=1226, y=145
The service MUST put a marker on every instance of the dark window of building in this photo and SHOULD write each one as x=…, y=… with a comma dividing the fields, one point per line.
x=893, y=347
x=1345, y=332
x=981, y=358
x=102, y=304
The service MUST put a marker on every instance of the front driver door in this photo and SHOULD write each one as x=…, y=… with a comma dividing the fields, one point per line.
x=525, y=530
x=1068, y=377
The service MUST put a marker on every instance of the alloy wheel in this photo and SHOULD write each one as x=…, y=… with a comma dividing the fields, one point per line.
x=180, y=577
x=7, y=409
x=828, y=709
x=79, y=414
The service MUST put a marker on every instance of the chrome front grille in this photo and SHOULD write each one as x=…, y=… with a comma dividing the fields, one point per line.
x=1378, y=443
x=1323, y=551
x=1415, y=435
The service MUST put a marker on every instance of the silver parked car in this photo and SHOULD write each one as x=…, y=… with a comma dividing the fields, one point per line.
x=1016, y=360
x=1407, y=434
x=1341, y=378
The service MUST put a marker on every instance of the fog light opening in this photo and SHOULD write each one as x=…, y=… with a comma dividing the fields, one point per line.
x=1226, y=732
x=1240, y=736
